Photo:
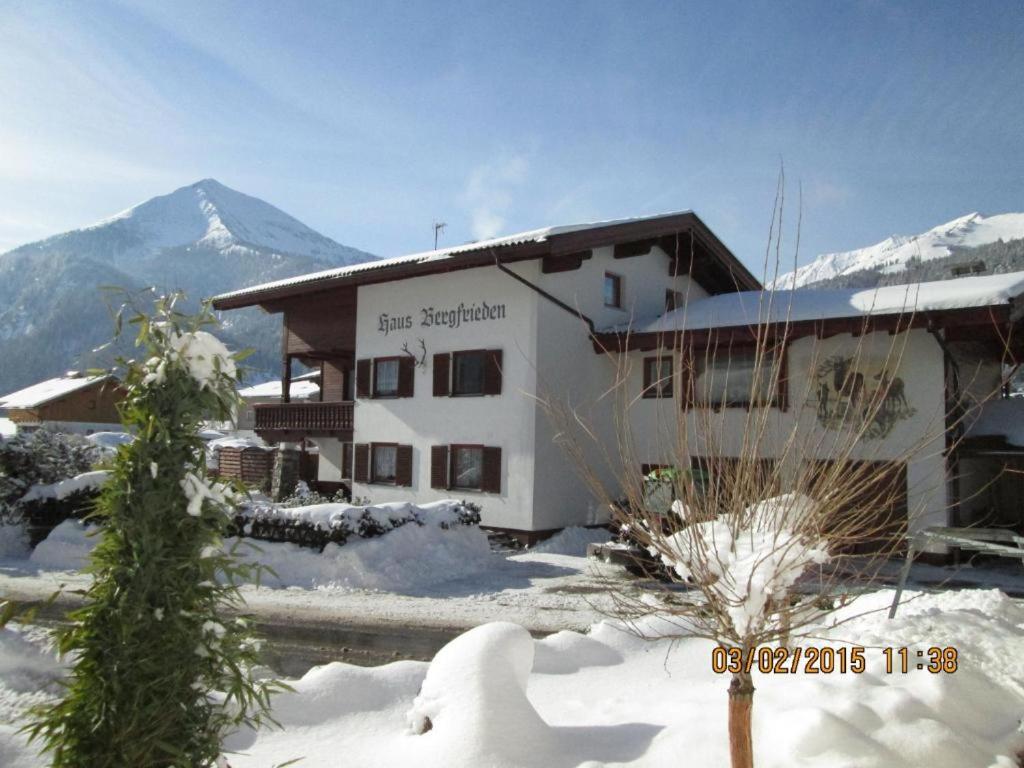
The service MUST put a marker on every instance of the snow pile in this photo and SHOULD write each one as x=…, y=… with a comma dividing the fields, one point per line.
x=87, y=481
x=13, y=540
x=67, y=547
x=407, y=559
x=28, y=677
x=572, y=541
x=746, y=565
x=610, y=697
x=109, y=442
x=473, y=702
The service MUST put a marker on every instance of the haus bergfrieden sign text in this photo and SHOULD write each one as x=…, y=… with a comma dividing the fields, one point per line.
x=441, y=317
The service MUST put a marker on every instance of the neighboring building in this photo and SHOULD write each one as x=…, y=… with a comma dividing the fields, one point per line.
x=432, y=363
x=73, y=403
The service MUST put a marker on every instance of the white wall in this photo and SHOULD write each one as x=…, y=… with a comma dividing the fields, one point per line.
x=571, y=372
x=505, y=420
x=920, y=435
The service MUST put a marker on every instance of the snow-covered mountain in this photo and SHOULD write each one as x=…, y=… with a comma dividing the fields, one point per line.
x=894, y=253
x=202, y=239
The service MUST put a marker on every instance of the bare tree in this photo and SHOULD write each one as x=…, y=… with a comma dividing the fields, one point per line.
x=776, y=467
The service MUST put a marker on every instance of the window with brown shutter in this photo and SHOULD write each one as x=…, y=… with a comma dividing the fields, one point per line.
x=492, y=372
x=406, y=369
x=492, y=470
x=439, y=467
x=403, y=465
x=442, y=376
x=346, y=461
x=363, y=368
x=361, y=470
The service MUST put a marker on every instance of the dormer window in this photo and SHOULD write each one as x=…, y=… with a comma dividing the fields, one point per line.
x=612, y=290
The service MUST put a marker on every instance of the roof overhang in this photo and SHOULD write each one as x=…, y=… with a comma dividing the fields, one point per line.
x=968, y=324
x=695, y=249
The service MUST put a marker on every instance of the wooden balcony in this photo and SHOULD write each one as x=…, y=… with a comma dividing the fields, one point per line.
x=290, y=422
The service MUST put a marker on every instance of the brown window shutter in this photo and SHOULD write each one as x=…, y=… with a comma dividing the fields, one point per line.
x=439, y=467
x=647, y=377
x=346, y=461
x=492, y=471
x=403, y=465
x=492, y=372
x=442, y=375
x=361, y=471
x=406, y=379
x=363, y=369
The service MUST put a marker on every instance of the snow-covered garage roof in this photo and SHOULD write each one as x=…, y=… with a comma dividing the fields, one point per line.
x=49, y=390
x=746, y=308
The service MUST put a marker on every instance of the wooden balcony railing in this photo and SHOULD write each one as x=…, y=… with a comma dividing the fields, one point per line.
x=305, y=418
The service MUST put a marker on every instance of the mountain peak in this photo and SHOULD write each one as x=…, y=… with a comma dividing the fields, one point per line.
x=207, y=213
x=893, y=253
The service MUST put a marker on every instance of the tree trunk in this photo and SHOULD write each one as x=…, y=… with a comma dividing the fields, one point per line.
x=741, y=705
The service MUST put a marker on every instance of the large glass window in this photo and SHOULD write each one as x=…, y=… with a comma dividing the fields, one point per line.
x=467, y=467
x=735, y=377
x=385, y=377
x=382, y=465
x=468, y=372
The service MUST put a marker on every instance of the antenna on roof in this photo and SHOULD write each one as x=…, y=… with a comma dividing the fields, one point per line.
x=438, y=228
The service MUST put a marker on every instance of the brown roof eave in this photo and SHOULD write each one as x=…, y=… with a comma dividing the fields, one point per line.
x=996, y=318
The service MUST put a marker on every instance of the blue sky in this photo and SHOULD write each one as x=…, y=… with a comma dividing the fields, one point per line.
x=368, y=121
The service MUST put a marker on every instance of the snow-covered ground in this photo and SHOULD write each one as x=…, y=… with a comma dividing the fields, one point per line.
x=498, y=698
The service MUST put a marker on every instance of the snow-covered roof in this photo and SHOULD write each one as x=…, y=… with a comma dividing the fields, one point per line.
x=300, y=389
x=533, y=235
x=46, y=391
x=761, y=307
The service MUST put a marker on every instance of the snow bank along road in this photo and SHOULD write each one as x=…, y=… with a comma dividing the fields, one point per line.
x=544, y=593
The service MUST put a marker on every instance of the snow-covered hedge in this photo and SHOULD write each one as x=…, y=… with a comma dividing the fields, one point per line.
x=317, y=525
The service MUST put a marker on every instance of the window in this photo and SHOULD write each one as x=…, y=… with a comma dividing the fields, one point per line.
x=467, y=467
x=384, y=463
x=657, y=377
x=385, y=377
x=673, y=300
x=733, y=376
x=468, y=372
x=612, y=290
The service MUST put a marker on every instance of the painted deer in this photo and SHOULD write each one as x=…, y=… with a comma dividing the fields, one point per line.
x=848, y=383
x=891, y=391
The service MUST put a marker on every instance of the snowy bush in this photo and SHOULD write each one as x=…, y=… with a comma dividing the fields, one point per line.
x=42, y=457
x=317, y=525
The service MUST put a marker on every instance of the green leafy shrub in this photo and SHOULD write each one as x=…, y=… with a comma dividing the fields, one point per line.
x=153, y=642
x=41, y=457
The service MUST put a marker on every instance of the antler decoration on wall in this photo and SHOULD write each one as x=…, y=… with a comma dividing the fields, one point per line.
x=420, y=361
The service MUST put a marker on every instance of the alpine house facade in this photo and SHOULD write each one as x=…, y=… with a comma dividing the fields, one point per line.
x=432, y=366
x=432, y=362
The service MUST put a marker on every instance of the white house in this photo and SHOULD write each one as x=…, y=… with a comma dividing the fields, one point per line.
x=432, y=363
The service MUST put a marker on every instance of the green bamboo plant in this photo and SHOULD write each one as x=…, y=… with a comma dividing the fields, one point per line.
x=162, y=659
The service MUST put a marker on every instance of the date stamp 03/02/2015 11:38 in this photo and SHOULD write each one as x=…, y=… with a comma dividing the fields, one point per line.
x=826, y=660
